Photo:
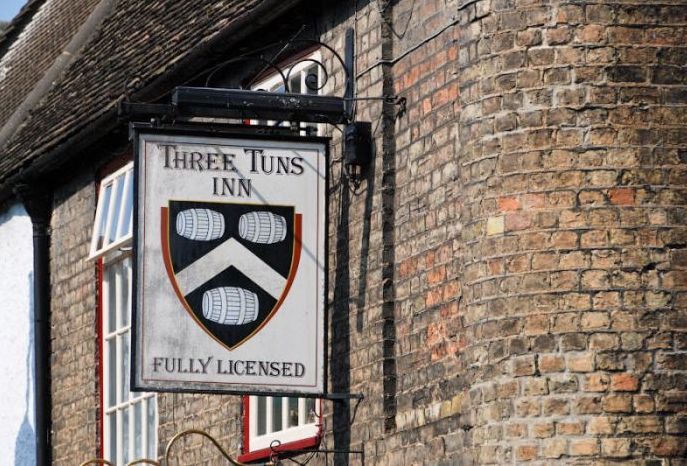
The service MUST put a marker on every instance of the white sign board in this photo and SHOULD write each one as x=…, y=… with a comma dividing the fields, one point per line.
x=230, y=263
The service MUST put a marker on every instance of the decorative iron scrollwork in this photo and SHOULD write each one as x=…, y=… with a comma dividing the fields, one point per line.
x=258, y=55
x=107, y=463
x=168, y=452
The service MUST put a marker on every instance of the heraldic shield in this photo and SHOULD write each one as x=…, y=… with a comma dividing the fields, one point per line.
x=231, y=265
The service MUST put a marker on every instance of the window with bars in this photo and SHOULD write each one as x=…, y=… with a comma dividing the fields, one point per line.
x=129, y=418
x=284, y=422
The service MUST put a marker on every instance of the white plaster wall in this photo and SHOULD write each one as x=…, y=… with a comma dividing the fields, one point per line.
x=17, y=435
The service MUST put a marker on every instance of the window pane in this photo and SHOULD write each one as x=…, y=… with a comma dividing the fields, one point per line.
x=270, y=417
x=293, y=412
x=138, y=431
x=276, y=414
x=110, y=310
x=128, y=207
x=310, y=414
x=295, y=84
x=110, y=372
x=119, y=191
x=124, y=387
x=133, y=426
x=112, y=439
x=114, y=212
x=262, y=415
x=129, y=277
x=105, y=207
x=124, y=285
x=125, y=435
x=312, y=81
x=152, y=434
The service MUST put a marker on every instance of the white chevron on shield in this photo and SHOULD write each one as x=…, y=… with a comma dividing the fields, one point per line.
x=231, y=253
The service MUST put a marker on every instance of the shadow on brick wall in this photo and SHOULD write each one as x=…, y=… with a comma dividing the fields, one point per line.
x=340, y=362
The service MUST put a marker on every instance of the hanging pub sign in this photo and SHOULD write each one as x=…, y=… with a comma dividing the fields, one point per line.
x=230, y=262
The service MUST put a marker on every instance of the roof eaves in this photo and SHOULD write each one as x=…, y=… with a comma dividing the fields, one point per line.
x=62, y=148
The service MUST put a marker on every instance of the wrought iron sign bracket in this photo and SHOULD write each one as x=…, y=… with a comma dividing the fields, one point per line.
x=242, y=104
x=343, y=397
x=189, y=103
x=292, y=453
x=214, y=102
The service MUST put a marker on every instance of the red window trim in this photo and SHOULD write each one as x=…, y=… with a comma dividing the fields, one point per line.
x=101, y=374
x=248, y=455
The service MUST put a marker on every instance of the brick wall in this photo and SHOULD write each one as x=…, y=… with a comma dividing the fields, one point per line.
x=572, y=147
x=508, y=277
x=218, y=415
x=356, y=256
x=396, y=293
x=538, y=236
x=74, y=343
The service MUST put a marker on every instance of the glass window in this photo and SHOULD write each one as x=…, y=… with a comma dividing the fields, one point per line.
x=304, y=77
x=281, y=420
x=113, y=215
x=129, y=419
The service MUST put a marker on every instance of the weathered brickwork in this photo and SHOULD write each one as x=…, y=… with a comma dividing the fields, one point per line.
x=508, y=278
x=539, y=236
x=571, y=145
x=74, y=329
x=220, y=416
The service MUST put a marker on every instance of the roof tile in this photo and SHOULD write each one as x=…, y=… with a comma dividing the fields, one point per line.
x=140, y=41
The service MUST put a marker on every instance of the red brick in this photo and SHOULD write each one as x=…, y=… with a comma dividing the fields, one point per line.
x=622, y=196
x=508, y=203
x=624, y=383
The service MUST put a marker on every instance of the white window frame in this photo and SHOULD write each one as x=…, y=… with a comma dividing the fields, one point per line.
x=117, y=267
x=309, y=424
x=110, y=244
x=306, y=428
x=111, y=214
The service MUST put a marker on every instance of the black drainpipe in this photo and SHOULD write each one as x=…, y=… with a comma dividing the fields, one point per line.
x=38, y=204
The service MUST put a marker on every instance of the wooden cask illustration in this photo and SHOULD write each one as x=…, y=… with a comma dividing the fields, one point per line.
x=229, y=305
x=262, y=227
x=200, y=224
